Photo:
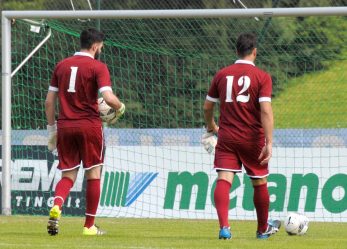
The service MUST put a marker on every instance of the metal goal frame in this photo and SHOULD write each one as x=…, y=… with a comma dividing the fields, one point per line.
x=7, y=16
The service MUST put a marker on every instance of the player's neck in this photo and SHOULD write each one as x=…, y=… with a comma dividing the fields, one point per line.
x=250, y=58
x=88, y=52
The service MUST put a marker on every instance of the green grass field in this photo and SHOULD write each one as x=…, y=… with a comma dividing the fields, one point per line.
x=30, y=232
x=315, y=100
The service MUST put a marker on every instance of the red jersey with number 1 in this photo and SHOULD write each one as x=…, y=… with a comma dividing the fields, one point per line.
x=77, y=80
x=239, y=88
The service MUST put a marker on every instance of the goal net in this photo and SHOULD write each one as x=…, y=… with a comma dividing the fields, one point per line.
x=161, y=69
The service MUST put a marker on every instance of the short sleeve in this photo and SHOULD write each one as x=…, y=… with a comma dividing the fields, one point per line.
x=265, y=90
x=213, y=94
x=103, y=78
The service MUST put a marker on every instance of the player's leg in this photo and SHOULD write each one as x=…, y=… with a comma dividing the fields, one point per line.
x=63, y=187
x=92, y=197
x=62, y=190
x=261, y=202
x=69, y=162
x=93, y=157
x=249, y=154
x=226, y=164
x=221, y=200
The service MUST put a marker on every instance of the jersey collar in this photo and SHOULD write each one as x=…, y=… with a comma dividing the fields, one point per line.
x=244, y=62
x=84, y=54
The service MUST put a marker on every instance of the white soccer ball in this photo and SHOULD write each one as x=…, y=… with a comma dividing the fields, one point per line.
x=296, y=224
x=106, y=112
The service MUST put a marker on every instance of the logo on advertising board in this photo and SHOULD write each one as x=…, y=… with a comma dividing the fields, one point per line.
x=121, y=190
x=329, y=195
x=34, y=176
x=134, y=189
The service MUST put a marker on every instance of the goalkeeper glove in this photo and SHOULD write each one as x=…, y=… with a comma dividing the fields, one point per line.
x=52, y=137
x=209, y=141
x=117, y=115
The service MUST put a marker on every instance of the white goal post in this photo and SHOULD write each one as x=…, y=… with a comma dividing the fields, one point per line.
x=7, y=16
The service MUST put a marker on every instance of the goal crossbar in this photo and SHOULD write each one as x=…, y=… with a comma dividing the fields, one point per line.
x=7, y=16
x=183, y=13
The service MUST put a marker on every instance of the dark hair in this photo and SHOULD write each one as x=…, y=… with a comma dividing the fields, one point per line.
x=90, y=36
x=245, y=44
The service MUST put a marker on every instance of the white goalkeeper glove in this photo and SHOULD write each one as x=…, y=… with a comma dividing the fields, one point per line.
x=209, y=141
x=117, y=115
x=52, y=137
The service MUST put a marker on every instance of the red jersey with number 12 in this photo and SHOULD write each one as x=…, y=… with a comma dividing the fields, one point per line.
x=77, y=80
x=239, y=88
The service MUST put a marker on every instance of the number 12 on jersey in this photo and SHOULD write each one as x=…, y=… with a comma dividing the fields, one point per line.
x=243, y=80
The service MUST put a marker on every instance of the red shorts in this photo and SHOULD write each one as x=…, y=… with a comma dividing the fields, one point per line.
x=231, y=156
x=84, y=144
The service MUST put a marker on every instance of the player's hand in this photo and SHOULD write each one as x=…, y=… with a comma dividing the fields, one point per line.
x=118, y=114
x=265, y=154
x=52, y=137
x=209, y=141
x=214, y=128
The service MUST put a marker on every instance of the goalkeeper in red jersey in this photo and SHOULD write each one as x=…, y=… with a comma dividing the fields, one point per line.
x=244, y=133
x=78, y=135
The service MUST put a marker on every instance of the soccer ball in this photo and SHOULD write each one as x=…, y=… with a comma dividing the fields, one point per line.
x=106, y=112
x=296, y=224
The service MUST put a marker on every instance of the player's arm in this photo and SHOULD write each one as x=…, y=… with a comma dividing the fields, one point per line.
x=209, y=140
x=104, y=83
x=208, y=115
x=50, y=103
x=113, y=101
x=267, y=122
x=50, y=107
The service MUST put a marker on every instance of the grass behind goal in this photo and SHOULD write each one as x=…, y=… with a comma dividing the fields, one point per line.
x=29, y=232
x=315, y=104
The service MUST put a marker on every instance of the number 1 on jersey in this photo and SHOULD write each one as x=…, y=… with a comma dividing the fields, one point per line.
x=72, y=82
x=230, y=80
x=243, y=80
